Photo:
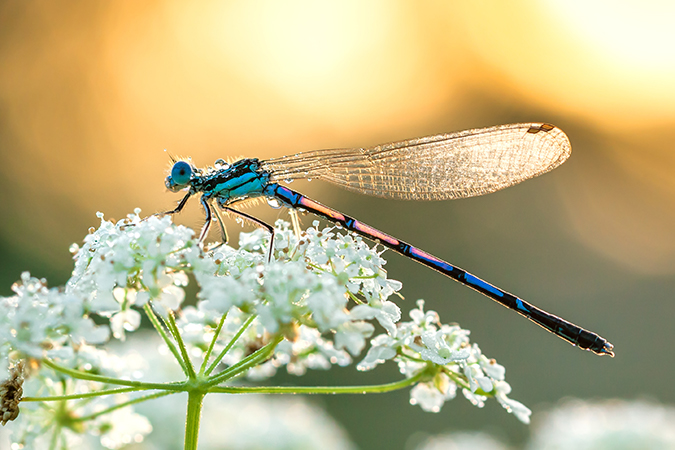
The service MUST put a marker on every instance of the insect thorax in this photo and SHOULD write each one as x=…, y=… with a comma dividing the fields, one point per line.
x=235, y=182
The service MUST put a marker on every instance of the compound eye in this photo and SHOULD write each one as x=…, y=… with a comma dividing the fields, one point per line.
x=181, y=172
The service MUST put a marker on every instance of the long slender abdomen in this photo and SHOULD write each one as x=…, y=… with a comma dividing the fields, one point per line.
x=566, y=330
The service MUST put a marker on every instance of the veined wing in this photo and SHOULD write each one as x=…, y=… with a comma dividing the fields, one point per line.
x=440, y=167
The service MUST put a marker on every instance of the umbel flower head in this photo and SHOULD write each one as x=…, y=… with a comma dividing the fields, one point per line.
x=317, y=303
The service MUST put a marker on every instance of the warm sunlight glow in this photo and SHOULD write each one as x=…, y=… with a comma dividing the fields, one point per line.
x=298, y=43
x=638, y=35
x=322, y=59
x=612, y=63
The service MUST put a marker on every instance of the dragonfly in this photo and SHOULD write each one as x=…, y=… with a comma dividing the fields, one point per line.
x=439, y=167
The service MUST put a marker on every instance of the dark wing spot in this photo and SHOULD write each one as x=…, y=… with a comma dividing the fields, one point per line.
x=545, y=127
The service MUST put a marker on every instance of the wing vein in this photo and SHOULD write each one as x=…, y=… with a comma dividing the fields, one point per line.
x=439, y=167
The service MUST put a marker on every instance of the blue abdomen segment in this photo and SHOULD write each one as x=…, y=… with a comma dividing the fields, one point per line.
x=572, y=333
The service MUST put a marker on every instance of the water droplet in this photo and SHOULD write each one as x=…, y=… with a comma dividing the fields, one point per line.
x=288, y=181
x=274, y=203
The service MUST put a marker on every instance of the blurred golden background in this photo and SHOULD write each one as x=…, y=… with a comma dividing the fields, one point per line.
x=92, y=92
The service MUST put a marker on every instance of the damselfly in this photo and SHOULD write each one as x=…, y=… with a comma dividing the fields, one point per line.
x=440, y=167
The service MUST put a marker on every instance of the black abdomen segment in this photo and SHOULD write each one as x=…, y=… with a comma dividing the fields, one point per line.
x=566, y=330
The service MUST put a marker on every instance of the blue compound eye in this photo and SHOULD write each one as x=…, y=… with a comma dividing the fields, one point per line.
x=181, y=172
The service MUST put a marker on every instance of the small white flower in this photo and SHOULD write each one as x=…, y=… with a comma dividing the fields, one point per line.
x=169, y=299
x=475, y=399
x=438, y=351
x=220, y=293
x=123, y=427
x=430, y=396
x=382, y=349
x=387, y=314
x=309, y=351
x=352, y=336
x=519, y=410
x=476, y=378
x=327, y=303
x=127, y=320
x=491, y=368
x=83, y=329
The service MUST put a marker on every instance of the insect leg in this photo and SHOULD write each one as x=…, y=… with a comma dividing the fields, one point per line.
x=207, y=224
x=258, y=222
x=180, y=206
x=223, y=231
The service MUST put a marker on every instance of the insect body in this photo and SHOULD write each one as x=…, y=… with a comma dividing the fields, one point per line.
x=445, y=166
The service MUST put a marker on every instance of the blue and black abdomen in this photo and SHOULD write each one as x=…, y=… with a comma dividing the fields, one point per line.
x=575, y=335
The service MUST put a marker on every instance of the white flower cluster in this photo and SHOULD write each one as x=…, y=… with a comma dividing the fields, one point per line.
x=39, y=322
x=304, y=293
x=127, y=263
x=322, y=292
x=77, y=423
x=444, y=351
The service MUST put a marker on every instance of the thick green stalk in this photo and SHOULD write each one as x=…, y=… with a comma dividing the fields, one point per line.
x=194, y=414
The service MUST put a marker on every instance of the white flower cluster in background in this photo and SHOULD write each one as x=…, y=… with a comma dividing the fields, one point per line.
x=611, y=424
x=320, y=298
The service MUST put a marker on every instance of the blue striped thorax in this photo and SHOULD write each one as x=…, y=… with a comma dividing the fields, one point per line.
x=227, y=183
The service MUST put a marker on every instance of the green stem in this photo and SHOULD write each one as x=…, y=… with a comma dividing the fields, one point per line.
x=55, y=438
x=122, y=405
x=356, y=300
x=251, y=360
x=207, y=355
x=83, y=395
x=158, y=326
x=230, y=344
x=365, y=277
x=194, y=413
x=181, y=345
x=140, y=385
x=372, y=389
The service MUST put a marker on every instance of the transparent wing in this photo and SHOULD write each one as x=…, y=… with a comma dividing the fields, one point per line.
x=445, y=166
